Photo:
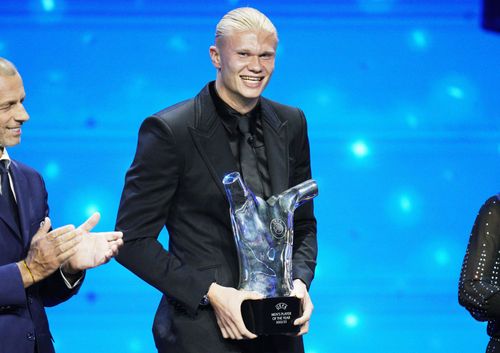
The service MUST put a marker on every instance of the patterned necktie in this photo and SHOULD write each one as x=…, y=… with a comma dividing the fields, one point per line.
x=7, y=198
x=248, y=160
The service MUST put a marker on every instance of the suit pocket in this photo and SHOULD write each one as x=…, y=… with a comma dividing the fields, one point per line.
x=210, y=271
x=223, y=276
x=220, y=274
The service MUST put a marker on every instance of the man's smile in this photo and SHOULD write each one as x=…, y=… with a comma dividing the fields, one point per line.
x=251, y=78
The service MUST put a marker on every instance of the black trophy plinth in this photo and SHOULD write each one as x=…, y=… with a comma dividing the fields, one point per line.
x=272, y=316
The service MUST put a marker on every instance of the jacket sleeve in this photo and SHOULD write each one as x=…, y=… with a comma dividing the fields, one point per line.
x=53, y=289
x=150, y=186
x=479, y=287
x=12, y=291
x=305, y=247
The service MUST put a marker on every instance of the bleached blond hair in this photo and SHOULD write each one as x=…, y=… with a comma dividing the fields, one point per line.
x=244, y=19
x=7, y=68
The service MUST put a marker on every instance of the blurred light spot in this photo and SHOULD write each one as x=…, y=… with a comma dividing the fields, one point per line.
x=419, y=39
x=91, y=297
x=360, y=149
x=405, y=206
x=91, y=122
x=412, y=121
x=51, y=170
x=135, y=345
x=137, y=86
x=233, y=2
x=56, y=76
x=2, y=46
x=354, y=234
x=91, y=209
x=48, y=5
x=455, y=92
x=454, y=98
x=178, y=44
x=442, y=257
x=448, y=175
x=405, y=203
x=323, y=98
x=87, y=38
x=351, y=320
x=364, y=65
x=376, y=6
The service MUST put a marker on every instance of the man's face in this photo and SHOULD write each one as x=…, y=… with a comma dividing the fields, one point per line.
x=245, y=63
x=12, y=112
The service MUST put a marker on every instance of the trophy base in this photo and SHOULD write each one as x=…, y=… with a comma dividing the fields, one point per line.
x=272, y=316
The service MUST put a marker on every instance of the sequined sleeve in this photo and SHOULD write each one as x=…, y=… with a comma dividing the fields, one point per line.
x=479, y=287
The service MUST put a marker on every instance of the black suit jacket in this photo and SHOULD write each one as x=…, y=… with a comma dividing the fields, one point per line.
x=23, y=322
x=175, y=181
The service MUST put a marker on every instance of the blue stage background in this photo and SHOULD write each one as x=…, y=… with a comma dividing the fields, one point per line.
x=402, y=102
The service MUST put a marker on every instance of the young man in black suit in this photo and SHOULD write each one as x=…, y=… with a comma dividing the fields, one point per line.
x=175, y=181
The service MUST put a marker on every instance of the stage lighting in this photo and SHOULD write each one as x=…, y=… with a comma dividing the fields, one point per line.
x=351, y=320
x=360, y=149
x=491, y=15
x=48, y=5
x=419, y=39
x=405, y=203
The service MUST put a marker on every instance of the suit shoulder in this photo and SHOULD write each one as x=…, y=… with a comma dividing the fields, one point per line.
x=26, y=169
x=182, y=112
x=284, y=109
x=293, y=115
x=32, y=176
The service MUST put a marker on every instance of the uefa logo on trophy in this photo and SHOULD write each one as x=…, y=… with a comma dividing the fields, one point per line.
x=263, y=232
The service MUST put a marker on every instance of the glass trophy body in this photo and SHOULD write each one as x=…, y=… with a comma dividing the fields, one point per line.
x=263, y=232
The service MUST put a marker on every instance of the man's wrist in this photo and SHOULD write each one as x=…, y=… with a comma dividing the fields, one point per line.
x=205, y=300
x=26, y=274
x=301, y=280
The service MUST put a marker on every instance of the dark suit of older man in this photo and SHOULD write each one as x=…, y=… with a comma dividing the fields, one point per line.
x=32, y=257
x=23, y=322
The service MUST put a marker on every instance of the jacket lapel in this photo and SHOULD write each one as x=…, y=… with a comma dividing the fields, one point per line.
x=8, y=218
x=211, y=139
x=276, y=142
x=21, y=189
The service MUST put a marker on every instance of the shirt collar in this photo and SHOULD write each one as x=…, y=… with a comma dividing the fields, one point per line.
x=5, y=156
x=229, y=115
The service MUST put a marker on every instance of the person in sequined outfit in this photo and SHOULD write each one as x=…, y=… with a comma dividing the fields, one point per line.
x=479, y=287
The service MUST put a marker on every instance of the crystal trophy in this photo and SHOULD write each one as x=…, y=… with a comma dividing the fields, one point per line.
x=263, y=232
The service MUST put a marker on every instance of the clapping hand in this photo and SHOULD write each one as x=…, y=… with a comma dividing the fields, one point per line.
x=94, y=249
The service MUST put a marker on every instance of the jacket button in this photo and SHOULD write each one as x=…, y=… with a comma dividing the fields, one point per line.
x=30, y=336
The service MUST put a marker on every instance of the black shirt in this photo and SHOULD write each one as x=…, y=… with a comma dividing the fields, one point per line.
x=229, y=118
